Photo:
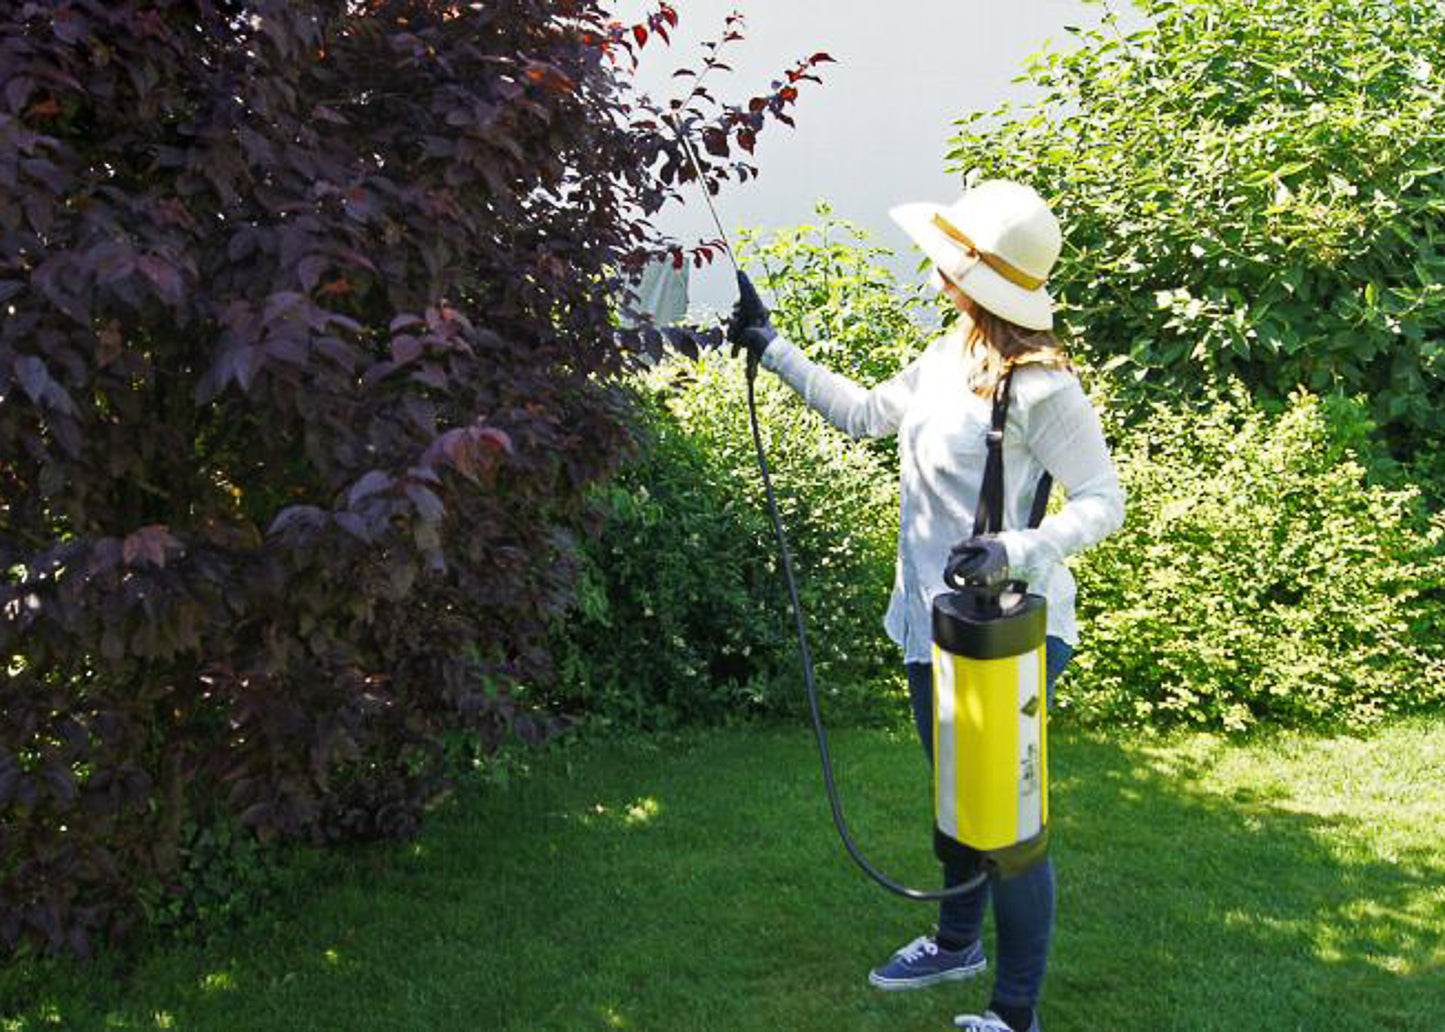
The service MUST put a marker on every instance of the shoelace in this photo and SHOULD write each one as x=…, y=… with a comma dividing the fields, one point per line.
x=917, y=948
x=990, y=1022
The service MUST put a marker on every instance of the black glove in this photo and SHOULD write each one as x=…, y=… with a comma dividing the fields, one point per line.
x=977, y=560
x=749, y=329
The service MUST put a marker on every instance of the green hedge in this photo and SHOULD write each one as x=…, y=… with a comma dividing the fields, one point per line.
x=1263, y=574
x=1260, y=576
x=682, y=616
x=1249, y=188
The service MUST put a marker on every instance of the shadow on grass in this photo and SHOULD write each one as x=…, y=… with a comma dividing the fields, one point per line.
x=699, y=886
x=1249, y=911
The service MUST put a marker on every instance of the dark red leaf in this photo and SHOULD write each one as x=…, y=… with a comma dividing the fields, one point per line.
x=360, y=204
x=496, y=438
x=283, y=304
x=111, y=261
x=310, y=270
x=69, y=26
x=296, y=516
x=105, y=555
x=165, y=277
x=33, y=377
x=247, y=362
x=405, y=348
x=294, y=350
x=370, y=484
x=426, y=501
x=354, y=525
x=153, y=545
x=715, y=141
x=47, y=108
x=431, y=375
x=17, y=92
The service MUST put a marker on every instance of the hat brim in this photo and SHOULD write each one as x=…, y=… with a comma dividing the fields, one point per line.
x=1032, y=309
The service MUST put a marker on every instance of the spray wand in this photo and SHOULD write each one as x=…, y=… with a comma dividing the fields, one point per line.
x=820, y=734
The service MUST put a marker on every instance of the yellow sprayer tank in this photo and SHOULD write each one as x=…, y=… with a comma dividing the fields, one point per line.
x=990, y=742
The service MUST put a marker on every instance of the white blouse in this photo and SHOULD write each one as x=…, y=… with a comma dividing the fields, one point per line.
x=942, y=427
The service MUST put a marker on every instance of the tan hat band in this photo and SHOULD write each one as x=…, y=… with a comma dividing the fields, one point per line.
x=1009, y=272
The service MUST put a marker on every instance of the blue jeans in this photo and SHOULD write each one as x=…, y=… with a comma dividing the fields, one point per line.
x=1023, y=907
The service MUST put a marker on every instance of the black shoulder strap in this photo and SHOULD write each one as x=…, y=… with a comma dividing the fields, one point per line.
x=1041, y=499
x=988, y=518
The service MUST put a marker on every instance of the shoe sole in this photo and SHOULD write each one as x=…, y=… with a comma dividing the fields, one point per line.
x=924, y=981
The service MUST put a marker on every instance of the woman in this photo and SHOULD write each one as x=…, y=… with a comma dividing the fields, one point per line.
x=992, y=251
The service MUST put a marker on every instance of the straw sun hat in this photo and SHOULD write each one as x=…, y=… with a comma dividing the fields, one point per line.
x=997, y=243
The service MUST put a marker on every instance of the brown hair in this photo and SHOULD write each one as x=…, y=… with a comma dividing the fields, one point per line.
x=1002, y=345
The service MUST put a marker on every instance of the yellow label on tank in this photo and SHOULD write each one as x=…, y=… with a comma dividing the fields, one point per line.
x=986, y=750
x=990, y=748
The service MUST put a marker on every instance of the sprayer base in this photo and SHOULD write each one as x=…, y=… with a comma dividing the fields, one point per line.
x=1009, y=862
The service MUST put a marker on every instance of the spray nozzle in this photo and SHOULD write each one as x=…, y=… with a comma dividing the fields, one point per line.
x=750, y=304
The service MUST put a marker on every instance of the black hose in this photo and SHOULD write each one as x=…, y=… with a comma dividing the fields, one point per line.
x=819, y=732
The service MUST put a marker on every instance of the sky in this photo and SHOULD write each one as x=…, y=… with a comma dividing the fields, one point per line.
x=876, y=133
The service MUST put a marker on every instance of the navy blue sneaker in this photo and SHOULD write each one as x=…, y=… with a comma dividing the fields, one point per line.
x=922, y=962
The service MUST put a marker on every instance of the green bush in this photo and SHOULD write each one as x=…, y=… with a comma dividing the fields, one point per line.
x=1260, y=576
x=1250, y=188
x=683, y=616
x=225, y=873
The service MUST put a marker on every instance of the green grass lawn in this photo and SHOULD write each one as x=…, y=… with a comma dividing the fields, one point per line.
x=696, y=884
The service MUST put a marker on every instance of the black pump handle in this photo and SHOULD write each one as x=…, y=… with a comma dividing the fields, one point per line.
x=951, y=572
